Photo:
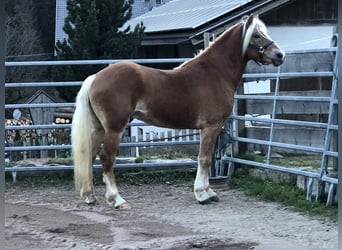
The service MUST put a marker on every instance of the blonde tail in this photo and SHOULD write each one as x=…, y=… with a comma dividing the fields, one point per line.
x=82, y=125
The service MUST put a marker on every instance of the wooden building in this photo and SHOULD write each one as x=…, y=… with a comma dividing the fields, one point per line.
x=177, y=28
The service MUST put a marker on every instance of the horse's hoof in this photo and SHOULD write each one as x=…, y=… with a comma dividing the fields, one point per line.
x=214, y=199
x=90, y=199
x=205, y=202
x=213, y=195
x=123, y=206
x=202, y=197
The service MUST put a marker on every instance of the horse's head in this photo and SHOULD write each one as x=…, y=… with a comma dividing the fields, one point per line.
x=258, y=45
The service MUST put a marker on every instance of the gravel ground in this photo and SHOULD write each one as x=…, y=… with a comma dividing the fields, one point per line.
x=161, y=217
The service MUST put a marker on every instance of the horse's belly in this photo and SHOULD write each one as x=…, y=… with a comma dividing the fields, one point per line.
x=165, y=117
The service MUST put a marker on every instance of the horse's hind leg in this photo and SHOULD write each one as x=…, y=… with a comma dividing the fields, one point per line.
x=107, y=156
x=97, y=138
x=203, y=192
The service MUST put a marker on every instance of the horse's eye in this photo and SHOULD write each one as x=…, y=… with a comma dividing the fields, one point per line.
x=257, y=36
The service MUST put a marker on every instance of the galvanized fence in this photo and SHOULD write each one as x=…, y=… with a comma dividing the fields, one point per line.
x=24, y=149
x=317, y=63
x=230, y=135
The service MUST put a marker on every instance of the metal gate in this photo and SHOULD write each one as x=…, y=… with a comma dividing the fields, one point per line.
x=298, y=65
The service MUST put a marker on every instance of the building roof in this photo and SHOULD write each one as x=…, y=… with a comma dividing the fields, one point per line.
x=185, y=21
x=185, y=14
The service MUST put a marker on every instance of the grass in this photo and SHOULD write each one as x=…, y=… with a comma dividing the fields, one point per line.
x=283, y=193
x=36, y=179
x=288, y=160
x=165, y=156
x=172, y=176
x=61, y=160
x=181, y=176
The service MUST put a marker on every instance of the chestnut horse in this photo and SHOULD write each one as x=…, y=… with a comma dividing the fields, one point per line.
x=196, y=95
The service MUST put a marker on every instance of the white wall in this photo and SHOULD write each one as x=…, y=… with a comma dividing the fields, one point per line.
x=302, y=37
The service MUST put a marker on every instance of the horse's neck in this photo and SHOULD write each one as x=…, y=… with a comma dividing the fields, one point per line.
x=225, y=54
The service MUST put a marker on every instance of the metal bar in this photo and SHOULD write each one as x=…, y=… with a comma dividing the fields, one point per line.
x=92, y=62
x=246, y=76
x=165, y=143
x=173, y=143
x=319, y=50
x=123, y=144
x=273, y=167
x=327, y=141
x=32, y=127
x=330, y=195
x=175, y=164
x=286, y=98
x=285, y=122
x=309, y=189
x=274, y=109
x=332, y=110
x=331, y=153
x=251, y=97
x=31, y=148
x=142, y=61
x=286, y=75
x=40, y=105
x=41, y=84
x=38, y=168
x=61, y=125
x=136, y=124
x=283, y=145
x=330, y=179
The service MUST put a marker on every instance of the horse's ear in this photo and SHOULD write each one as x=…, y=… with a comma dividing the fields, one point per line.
x=249, y=21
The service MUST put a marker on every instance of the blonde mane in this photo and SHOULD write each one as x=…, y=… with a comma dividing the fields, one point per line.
x=246, y=36
x=195, y=56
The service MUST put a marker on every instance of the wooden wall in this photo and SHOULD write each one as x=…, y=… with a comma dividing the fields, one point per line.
x=304, y=12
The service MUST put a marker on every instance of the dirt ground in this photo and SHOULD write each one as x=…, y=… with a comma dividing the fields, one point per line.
x=161, y=217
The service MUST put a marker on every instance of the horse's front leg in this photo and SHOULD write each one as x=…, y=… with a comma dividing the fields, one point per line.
x=107, y=156
x=203, y=192
x=112, y=193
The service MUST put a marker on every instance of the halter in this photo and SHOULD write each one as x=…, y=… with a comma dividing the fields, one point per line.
x=261, y=51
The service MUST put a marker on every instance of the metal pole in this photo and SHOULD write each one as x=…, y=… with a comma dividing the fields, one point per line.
x=2, y=119
x=274, y=112
x=339, y=60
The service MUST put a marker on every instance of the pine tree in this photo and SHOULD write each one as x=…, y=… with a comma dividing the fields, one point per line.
x=94, y=32
x=22, y=44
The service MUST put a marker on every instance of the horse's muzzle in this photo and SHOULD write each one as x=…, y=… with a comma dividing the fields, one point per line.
x=278, y=58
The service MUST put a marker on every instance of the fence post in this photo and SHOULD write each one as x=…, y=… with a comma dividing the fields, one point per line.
x=241, y=129
x=169, y=135
x=43, y=153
